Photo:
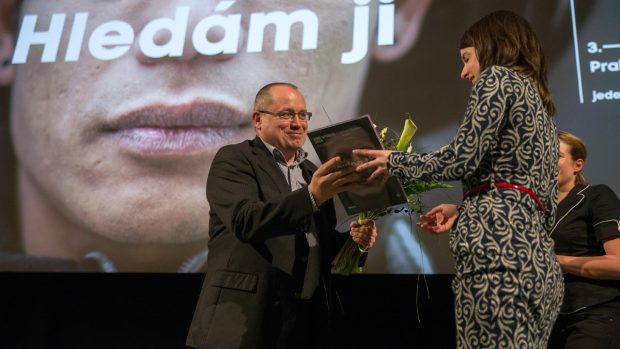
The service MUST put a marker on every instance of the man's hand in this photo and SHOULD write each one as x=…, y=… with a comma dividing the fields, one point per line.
x=439, y=220
x=364, y=233
x=326, y=183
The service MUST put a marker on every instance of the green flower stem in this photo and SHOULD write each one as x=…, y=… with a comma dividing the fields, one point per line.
x=348, y=259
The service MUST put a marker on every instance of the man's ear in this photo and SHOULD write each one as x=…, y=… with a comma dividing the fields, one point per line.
x=6, y=54
x=256, y=118
x=408, y=20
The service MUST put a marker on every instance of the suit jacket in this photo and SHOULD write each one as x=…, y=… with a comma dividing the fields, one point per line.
x=254, y=218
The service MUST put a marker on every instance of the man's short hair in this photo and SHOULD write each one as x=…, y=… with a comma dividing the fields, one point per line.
x=263, y=97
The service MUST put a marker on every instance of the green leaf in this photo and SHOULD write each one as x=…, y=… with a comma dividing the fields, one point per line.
x=383, y=134
x=405, y=137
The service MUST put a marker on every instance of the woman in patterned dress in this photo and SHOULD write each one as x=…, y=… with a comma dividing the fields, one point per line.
x=508, y=285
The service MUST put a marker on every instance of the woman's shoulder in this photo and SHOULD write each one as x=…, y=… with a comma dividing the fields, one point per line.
x=500, y=74
x=601, y=189
x=498, y=70
x=599, y=194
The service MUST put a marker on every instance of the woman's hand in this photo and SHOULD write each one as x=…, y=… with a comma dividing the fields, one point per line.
x=377, y=163
x=440, y=219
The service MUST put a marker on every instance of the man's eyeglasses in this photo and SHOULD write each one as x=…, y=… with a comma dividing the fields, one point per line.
x=289, y=115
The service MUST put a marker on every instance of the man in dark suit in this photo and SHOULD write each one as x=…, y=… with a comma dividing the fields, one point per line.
x=272, y=235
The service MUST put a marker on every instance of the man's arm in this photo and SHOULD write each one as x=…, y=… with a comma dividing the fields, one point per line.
x=244, y=194
x=246, y=198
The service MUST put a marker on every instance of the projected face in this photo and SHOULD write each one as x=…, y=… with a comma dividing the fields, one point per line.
x=342, y=144
x=116, y=130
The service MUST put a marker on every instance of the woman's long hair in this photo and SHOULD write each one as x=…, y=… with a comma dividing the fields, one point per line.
x=506, y=39
x=577, y=151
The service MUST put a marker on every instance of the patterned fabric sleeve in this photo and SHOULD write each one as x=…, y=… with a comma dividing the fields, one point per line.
x=605, y=213
x=489, y=100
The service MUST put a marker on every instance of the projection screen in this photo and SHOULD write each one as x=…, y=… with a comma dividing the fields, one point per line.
x=111, y=111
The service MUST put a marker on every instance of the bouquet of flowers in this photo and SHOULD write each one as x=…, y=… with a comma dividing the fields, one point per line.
x=347, y=260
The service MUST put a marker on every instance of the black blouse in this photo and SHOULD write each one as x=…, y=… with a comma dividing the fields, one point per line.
x=589, y=215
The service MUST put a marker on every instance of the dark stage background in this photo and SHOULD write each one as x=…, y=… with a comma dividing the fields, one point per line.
x=153, y=311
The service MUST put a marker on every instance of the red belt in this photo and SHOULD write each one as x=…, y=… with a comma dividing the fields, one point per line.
x=475, y=190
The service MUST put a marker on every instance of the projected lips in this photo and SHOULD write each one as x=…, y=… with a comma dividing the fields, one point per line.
x=188, y=128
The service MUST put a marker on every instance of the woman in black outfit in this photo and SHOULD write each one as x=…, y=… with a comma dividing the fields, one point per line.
x=587, y=242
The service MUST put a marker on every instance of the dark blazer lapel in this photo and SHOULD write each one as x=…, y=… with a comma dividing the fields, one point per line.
x=325, y=219
x=574, y=198
x=281, y=249
x=269, y=165
x=307, y=170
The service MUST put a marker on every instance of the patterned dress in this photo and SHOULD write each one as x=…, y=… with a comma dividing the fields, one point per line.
x=508, y=285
